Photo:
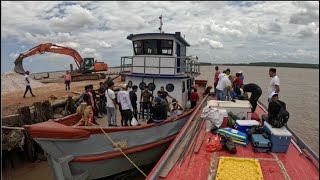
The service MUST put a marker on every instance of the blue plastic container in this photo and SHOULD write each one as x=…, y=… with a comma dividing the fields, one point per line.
x=280, y=138
x=245, y=125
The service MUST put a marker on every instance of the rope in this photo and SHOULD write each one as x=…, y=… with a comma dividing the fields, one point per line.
x=123, y=152
x=13, y=128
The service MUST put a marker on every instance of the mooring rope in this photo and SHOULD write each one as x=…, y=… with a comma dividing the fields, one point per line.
x=123, y=152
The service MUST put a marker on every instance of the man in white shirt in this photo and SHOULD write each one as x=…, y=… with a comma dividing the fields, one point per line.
x=28, y=87
x=123, y=99
x=111, y=104
x=223, y=83
x=274, y=85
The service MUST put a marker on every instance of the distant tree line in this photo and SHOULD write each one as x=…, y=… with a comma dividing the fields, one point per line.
x=268, y=64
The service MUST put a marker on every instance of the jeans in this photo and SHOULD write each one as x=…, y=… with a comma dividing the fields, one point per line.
x=111, y=114
x=145, y=106
x=28, y=88
x=102, y=105
x=67, y=85
x=220, y=95
x=254, y=100
x=193, y=104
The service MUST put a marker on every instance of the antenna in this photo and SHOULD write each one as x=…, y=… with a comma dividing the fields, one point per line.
x=160, y=28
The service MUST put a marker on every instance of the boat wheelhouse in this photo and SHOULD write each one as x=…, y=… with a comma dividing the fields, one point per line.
x=160, y=59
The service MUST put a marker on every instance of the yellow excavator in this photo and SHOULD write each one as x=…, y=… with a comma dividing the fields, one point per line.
x=88, y=68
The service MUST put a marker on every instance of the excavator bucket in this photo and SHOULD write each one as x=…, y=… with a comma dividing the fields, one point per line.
x=18, y=68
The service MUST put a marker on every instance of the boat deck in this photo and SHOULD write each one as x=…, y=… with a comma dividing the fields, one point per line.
x=203, y=164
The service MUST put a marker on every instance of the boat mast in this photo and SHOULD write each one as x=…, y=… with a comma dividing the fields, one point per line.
x=160, y=28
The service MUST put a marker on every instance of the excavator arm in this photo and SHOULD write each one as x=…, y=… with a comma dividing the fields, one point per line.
x=48, y=47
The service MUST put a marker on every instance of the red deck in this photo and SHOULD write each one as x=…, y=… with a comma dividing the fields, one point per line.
x=196, y=166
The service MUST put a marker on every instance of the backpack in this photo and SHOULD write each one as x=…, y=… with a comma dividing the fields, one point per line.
x=281, y=118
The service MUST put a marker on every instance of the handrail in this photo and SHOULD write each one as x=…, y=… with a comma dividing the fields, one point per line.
x=191, y=66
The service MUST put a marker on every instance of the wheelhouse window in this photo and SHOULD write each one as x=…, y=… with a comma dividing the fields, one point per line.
x=166, y=47
x=150, y=46
x=138, y=48
x=153, y=47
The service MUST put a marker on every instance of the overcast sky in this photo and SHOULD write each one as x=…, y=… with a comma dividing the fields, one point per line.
x=218, y=32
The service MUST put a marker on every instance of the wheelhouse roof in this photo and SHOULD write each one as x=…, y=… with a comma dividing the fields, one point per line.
x=177, y=35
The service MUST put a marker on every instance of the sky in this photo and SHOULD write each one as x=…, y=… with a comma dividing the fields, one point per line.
x=218, y=32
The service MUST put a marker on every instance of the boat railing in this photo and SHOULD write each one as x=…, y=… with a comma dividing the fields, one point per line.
x=301, y=144
x=160, y=65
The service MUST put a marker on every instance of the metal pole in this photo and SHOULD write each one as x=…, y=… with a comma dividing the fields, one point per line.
x=175, y=65
x=121, y=65
x=131, y=64
x=144, y=65
x=159, y=65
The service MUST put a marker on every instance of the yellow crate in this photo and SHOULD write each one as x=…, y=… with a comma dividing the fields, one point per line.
x=238, y=168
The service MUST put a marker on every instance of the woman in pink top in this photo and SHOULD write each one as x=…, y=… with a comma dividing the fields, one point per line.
x=67, y=80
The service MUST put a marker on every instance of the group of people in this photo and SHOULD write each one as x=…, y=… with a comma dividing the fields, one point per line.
x=228, y=87
x=110, y=98
x=157, y=108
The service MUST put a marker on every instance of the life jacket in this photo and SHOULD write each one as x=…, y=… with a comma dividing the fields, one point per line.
x=214, y=144
x=236, y=136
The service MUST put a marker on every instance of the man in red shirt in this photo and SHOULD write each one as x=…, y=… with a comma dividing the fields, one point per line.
x=194, y=97
x=67, y=81
x=238, y=80
x=216, y=79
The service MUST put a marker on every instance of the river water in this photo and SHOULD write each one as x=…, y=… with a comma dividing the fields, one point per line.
x=299, y=89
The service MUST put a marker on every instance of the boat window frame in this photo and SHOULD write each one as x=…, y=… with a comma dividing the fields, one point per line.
x=183, y=86
x=161, y=46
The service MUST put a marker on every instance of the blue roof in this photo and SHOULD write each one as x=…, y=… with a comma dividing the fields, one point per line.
x=177, y=35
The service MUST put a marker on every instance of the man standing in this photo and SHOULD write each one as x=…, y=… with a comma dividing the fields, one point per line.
x=133, y=99
x=255, y=91
x=194, y=98
x=28, y=87
x=102, y=97
x=111, y=104
x=67, y=80
x=123, y=98
x=165, y=94
x=146, y=102
x=216, y=78
x=223, y=83
x=274, y=83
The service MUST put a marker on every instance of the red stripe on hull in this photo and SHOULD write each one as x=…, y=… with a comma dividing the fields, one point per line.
x=117, y=154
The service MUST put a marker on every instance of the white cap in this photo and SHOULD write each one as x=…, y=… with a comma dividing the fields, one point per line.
x=272, y=94
x=241, y=72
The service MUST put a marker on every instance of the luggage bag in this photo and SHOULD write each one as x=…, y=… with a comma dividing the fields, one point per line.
x=260, y=143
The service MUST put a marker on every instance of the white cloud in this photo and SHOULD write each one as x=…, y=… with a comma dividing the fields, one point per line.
x=216, y=28
x=308, y=11
x=76, y=17
x=309, y=30
x=88, y=51
x=213, y=44
x=69, y=44
x=104, y=44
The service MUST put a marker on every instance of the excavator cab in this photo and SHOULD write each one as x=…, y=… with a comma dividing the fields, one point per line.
x=87, y=65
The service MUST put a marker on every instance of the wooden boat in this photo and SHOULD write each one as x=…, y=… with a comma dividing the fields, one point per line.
x=300, y=162
x=87, y=152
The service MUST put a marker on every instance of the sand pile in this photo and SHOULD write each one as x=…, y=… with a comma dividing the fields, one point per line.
x=12, y=81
